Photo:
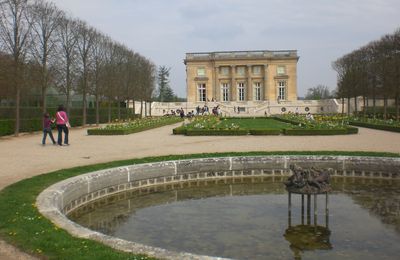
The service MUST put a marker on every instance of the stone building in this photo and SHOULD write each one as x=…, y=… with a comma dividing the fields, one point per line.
x=241, y=76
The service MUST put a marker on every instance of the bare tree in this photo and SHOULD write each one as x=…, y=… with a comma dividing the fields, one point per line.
x=15, y=29
x=86, y=38
x=67, y=53
x=45, y=21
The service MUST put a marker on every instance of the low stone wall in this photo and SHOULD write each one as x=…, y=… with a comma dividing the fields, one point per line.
x=66, y=196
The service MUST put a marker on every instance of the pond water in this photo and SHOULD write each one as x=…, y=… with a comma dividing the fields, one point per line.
x=248, y=218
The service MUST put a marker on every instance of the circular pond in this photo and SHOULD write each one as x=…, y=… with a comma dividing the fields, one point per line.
x=248, y=218
x=234, y=207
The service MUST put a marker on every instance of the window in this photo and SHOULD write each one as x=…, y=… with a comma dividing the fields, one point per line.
x=201, y=72
x=281, y=90
x=241, y=92
x=224, y=71
x=240, y=71
x=225, y=92
x=281, y=70
x=257, y=91
x=257, y=70
x=202, y=94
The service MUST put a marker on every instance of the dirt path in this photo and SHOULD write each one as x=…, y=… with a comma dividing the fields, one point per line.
x=24, y=157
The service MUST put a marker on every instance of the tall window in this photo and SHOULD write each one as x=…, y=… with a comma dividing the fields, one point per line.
x=240, y=70
x=257, y=91
x=241, y=92
x=281, y=90
x=281, y=70
x=201, y=72
x=224, y=71
x=225, y=92
x=201, y=91
x=257, y=70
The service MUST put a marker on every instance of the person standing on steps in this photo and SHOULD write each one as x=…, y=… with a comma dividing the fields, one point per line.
x=62, y=125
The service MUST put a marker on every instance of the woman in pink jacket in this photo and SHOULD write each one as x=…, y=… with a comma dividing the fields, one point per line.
x=62, y=125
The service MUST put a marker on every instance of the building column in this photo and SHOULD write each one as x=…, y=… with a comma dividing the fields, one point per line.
x=233, y=91
x=265, y=86
x=249, y=85
x=217, y=87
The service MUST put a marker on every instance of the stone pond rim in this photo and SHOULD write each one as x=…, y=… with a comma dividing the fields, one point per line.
x=63, y=197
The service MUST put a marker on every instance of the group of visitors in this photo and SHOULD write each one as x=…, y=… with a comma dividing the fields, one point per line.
x=202, y=110
x=62, y=123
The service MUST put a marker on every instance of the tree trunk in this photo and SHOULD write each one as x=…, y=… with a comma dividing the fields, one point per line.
x=109, y=111
x=348, y=106
x=385, y=107
x=119, y=110
x=150, y=109
x=44, y=88
x=84, y=108
x=97, y=110
x=134, y=108
x=17, y=110
x=342, y=106
x=365, y=108
x=145, y=108
x=397, y=107
x=141, y=108
x=17, y=96
x=355, y=106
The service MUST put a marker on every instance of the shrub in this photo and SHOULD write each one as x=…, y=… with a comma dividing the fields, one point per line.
x=265, y=131
x=179, y=130
x=299, y=131
x=134, y=126
x=195, y=132
x=376, y=126
x=352, y=130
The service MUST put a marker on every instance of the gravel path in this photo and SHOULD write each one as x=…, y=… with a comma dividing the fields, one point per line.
x=24, y=157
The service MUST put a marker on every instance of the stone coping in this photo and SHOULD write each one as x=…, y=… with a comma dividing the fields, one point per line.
x=64, y=197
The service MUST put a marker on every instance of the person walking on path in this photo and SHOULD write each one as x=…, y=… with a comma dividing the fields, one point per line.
x=62, y=125
x=47, y=128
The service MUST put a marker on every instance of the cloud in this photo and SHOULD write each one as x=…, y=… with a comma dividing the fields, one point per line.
x=164, y=31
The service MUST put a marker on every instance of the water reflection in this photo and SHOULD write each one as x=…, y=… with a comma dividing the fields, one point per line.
x=308, y=237
x=249, y=218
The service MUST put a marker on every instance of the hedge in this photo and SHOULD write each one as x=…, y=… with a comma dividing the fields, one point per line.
x=103, y=131
x=179, y=130
x=343, y=131
x=196, y=132
x=376, y=126
x=31, y=118
x=285, y=120
x=266, y=131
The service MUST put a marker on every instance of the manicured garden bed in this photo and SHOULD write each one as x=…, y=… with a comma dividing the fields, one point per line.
x=23, y=226
x=287, y=125
x=319, y=125
x=386, y=125
x=134, y=126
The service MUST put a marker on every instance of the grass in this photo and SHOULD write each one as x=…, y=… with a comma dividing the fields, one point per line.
x=22, y=225
x=258, y=123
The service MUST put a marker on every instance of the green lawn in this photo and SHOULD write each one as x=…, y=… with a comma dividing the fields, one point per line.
x=258, y=123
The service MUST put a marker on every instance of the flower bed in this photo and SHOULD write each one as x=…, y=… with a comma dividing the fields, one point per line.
x=212, y=125
x=319, y=125
x=287, y=124
x=386, y=125
x=134, y=126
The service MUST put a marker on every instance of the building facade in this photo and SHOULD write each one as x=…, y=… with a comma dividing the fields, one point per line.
x=242, y=76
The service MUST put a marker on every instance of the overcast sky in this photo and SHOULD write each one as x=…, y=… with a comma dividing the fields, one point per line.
x=164, y=30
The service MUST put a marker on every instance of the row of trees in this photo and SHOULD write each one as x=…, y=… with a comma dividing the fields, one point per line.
x=42, y=47
x=319, y=92
x=371, y=72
